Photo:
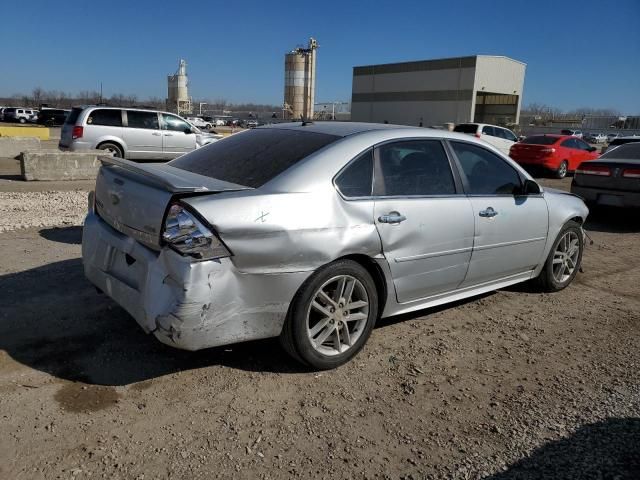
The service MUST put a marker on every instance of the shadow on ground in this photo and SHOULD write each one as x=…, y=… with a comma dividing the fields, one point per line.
x=70, y=235
x=613, y=220
x=607, y=450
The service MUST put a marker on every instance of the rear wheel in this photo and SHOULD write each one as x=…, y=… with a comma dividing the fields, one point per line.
x=23, y=120
x=561, y=172
x=564, y=260
x=331, y=316
x=112, y=148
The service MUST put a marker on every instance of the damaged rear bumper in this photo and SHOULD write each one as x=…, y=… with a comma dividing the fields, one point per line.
x=185, y=304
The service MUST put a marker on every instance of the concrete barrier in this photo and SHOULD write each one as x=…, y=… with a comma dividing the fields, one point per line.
x=28, y=131
x=11, y=147
x=56, y=165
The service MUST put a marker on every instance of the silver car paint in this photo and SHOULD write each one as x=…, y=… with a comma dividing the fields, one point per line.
x=282, y=232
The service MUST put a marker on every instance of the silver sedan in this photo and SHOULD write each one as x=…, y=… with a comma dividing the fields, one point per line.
x=312, y=231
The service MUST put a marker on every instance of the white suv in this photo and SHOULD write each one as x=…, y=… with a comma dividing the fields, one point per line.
x=500, y=137
x=20, y=114
x=199, y=122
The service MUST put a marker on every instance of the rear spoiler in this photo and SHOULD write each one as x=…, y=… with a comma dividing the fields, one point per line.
x=170, y=178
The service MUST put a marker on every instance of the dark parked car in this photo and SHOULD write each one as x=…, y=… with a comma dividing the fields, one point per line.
x=52, y=117
x=613, y=179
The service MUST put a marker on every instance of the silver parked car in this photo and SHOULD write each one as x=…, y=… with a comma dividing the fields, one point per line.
x=131, y=133
x=311, y=232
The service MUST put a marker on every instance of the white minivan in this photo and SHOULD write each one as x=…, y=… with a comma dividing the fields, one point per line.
x=500, y=137
x=131, y=133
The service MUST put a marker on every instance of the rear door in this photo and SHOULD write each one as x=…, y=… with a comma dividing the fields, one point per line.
x=142, y=135
x=423, y=219
x=175, y=139
x=510, y=231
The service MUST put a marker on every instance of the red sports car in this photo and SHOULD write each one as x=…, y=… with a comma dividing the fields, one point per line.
x=558, y=153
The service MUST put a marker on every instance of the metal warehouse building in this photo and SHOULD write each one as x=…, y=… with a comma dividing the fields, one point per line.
x=482, y=88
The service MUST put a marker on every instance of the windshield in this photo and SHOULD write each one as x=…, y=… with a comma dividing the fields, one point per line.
x=73, y=116
x=628, y=151
x=254, y=157
x=540, y=140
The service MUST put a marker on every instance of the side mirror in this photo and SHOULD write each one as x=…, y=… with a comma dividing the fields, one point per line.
x=529, y=187
x=592, y=149
x=188, y=130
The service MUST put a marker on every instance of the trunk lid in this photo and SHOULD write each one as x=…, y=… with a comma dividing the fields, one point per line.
x=525, y=151
x=133, y=198
x=614, y=181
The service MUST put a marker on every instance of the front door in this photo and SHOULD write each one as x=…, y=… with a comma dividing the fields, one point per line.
x=175, y=139
x=424, y=222
x=510, y=230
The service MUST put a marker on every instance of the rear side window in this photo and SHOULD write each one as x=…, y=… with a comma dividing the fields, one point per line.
x=254, y=157
x=148, y=120
x=108, y=118
x=173, y=123
x=540, y=140
x=569, y=143
x=73, y=116
x=487, y=130
x=486, y=173
x=356, y=179
x=416, y=167
x=466, y=128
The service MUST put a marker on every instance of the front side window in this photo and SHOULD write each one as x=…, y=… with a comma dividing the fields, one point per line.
x=486, y=172
x=109, y=118
x=356, y=179
x=414, y=167
x=175, y=124
x=471, y=128
x=569, y=143
x=582, y=145
x=148, y=120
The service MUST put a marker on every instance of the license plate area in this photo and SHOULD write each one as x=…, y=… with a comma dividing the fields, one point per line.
x=126, y=268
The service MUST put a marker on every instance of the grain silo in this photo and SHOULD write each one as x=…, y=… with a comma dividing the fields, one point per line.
x=178, y=99
x=300, y=81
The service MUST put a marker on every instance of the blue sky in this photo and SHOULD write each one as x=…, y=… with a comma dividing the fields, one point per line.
x=578, y=54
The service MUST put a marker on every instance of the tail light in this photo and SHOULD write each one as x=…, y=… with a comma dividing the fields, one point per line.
x=477, y=135
x=631, y=173
x=594, y=170
x=188, y=236
x=77, y=132
x=547, y=151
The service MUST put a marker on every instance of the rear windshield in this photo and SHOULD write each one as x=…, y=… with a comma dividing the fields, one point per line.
x=254, y=157
x=540, y=140
x=628, y=151
x=621, y=141
x=73, y=116
x=466, y=128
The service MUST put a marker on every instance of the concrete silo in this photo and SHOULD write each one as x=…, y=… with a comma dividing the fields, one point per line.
x=178, y=99
x=300, y=81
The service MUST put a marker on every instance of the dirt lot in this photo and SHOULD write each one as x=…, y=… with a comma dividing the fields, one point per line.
x=511, y=385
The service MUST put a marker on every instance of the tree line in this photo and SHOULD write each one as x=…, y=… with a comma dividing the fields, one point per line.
x=60, y=99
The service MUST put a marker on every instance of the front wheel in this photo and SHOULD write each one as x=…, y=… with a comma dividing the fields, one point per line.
x=112, y=148
x=331, y=316
x=564, y=259
x=23, y=120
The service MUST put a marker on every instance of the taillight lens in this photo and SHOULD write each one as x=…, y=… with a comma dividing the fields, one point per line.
x=631, y=172
x=594, y=170
x=477, y=135
x=547, y=151
x=77, y=132
x=185, y=234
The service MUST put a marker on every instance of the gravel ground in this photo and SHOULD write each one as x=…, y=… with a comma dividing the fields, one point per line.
x=510, y=385
x=41, y=209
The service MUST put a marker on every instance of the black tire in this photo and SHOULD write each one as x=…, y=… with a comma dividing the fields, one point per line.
x=295, y=334
x=111, y=147
x=546, y=281
x=562, y=170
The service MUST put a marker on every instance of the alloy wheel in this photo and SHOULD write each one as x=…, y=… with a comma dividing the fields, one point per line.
x=565, y=257
x=337, y=315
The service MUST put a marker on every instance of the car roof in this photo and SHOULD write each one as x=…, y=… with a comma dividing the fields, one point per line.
x=339, y=129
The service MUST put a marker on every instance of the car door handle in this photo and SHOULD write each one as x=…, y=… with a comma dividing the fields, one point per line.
x=392, y=217
x=488, y=212
x=155, y=134
x=168, y=134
